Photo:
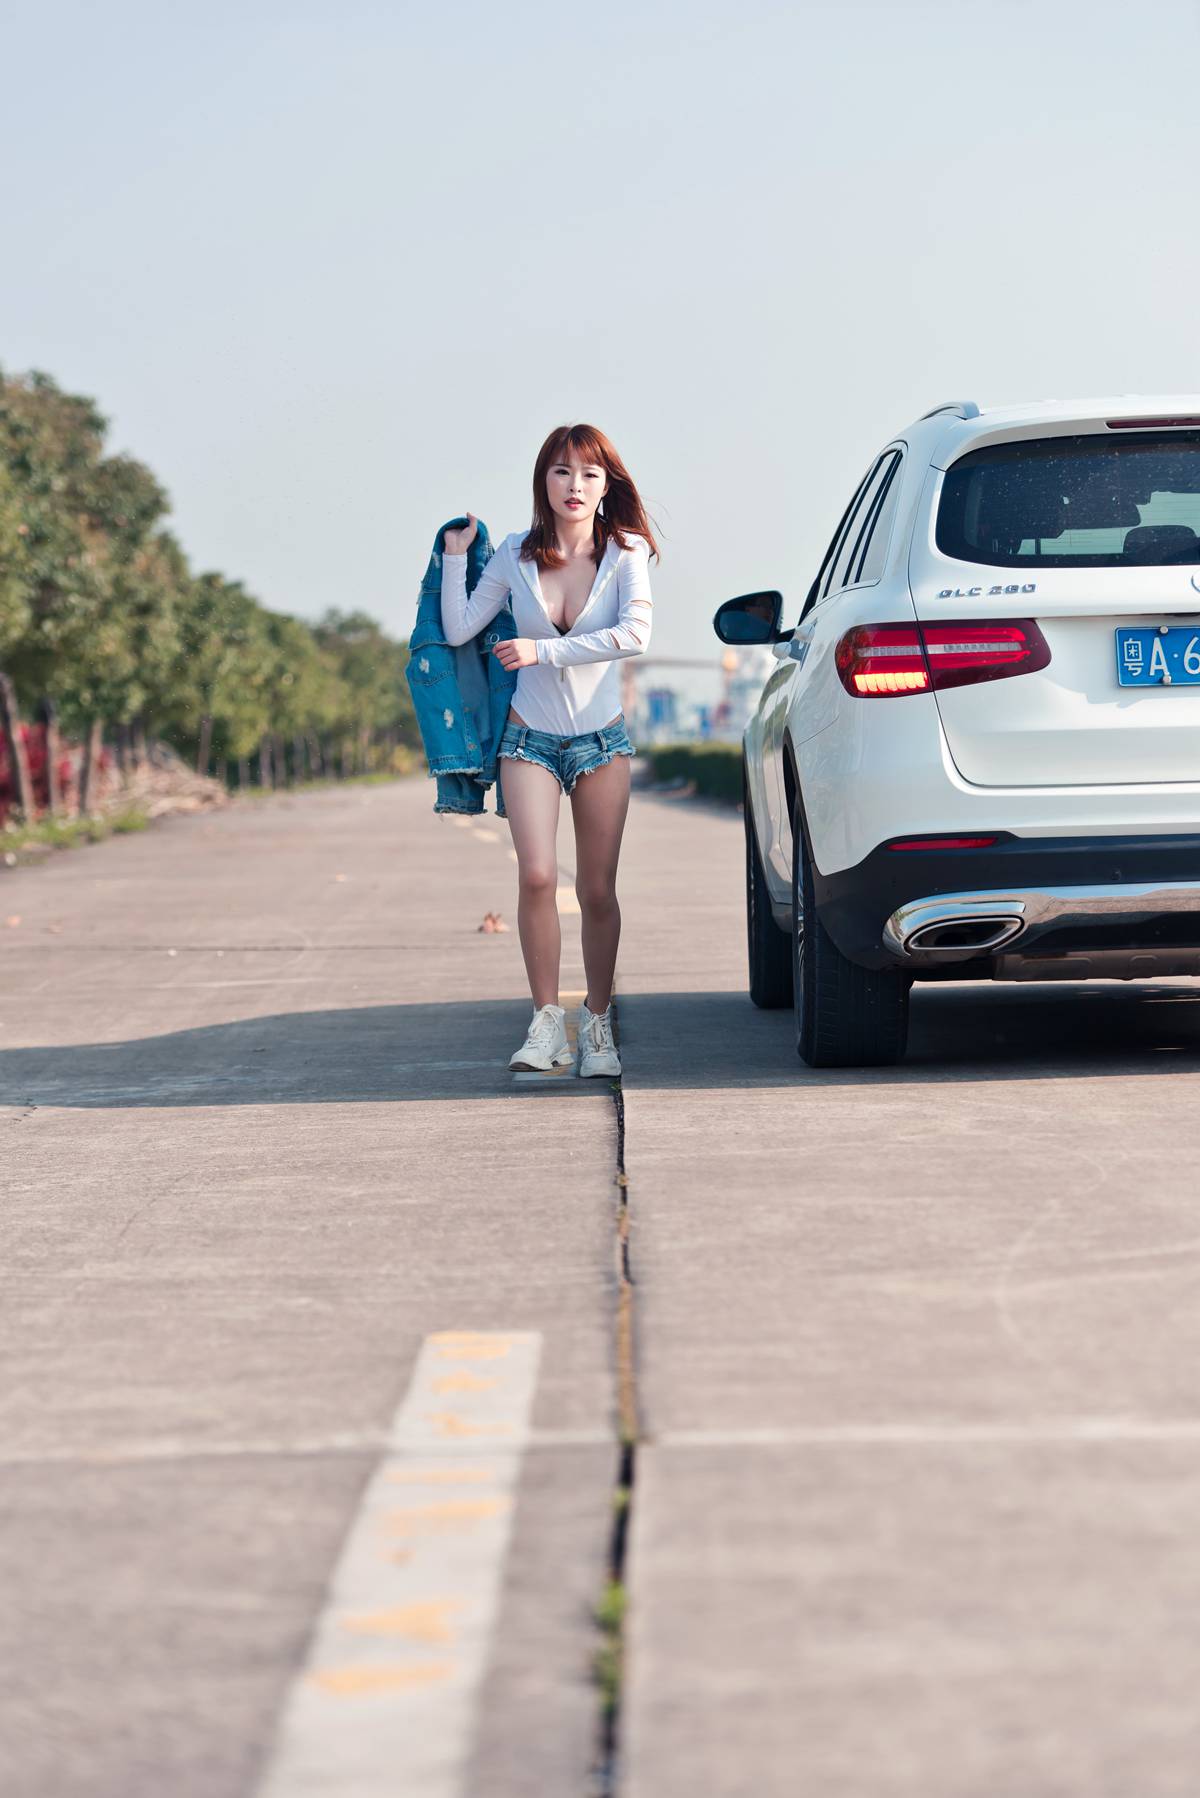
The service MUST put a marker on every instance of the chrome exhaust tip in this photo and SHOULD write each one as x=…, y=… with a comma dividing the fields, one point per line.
x=954, y=927
x=966, y=935
x=949, y=927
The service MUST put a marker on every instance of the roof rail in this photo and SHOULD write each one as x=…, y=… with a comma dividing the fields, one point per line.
x=964, y=408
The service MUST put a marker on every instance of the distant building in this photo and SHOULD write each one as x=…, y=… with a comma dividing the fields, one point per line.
x=747, y=670
x=660, y=720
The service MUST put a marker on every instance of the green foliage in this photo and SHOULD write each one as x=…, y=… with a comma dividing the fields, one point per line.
x=222, y=667
x=16, y=609
x=716, y=768
x=609, y=1657
x=22, y=843
x=371, y=667
x=100, y=611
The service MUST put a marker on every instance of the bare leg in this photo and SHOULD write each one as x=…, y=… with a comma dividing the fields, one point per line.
x=531, y=802
x=599, y=805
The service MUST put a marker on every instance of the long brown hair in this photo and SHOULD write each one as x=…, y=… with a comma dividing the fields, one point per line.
x=623, y=511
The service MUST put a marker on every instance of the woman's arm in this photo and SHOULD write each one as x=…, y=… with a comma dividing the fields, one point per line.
x=462, y=617
x=630, y=635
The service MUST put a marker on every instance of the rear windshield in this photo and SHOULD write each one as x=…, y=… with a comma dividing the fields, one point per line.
x=1075, y=502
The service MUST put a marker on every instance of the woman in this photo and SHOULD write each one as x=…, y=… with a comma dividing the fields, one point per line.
x=584, y=561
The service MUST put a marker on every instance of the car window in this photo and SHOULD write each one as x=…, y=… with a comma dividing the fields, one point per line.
x=1082, y=501
x=820, y=585
x=838, y=575
x=866, y=560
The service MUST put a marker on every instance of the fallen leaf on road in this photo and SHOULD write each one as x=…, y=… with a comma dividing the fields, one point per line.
x=493, y=921
x=13, y=921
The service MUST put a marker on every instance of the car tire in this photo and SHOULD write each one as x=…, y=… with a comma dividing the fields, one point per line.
x=769, y=948
x=846, y=1016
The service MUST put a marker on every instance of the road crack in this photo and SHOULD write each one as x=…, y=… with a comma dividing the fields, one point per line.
x=611, y=1610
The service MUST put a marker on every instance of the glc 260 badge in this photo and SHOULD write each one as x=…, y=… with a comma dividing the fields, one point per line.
x=986, y=592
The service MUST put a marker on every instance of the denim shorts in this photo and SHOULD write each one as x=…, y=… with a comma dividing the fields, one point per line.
x=566, y=757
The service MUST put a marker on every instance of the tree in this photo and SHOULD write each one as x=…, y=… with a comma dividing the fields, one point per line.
x=101, y=615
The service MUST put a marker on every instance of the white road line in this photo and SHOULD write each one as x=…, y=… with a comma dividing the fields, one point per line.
x=882, y=1435
x=387, y=1697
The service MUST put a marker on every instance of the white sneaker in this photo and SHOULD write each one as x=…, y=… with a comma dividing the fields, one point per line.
x=546, y=1044
x=597, y=1051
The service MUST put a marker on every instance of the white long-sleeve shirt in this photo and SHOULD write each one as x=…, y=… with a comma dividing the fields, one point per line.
x=575, y=684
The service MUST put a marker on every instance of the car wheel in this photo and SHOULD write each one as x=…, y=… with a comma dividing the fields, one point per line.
x=769, y=948
x=846, y=1016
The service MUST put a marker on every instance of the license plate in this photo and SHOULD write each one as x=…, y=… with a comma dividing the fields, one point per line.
x=1154, y=658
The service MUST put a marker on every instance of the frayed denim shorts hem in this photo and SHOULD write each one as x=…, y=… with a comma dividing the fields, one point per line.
x=565, y=757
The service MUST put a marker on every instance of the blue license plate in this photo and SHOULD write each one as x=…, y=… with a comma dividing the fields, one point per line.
x=1159, y=658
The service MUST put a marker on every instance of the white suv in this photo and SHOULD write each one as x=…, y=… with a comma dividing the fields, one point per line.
x=979, y=757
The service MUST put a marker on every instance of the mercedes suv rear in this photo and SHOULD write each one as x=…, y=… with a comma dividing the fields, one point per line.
x=979, y=756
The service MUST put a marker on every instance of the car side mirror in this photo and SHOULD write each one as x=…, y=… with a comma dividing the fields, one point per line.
x=751, y=618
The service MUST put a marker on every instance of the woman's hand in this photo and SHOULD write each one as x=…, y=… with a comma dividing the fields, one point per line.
x=455, y=542
x=516, y=652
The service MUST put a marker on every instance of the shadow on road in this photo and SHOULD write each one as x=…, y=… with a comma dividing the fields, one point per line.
x=967, y=1032
x=352, y=1055
x=689, y=1041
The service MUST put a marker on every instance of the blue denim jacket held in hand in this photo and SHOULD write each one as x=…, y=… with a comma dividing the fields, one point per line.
x=461, y=692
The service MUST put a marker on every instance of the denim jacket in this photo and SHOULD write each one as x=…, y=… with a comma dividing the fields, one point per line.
x=460, y=692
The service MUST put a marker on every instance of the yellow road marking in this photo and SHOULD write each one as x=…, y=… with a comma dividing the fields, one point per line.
x=356, y=1682
x=449, y=1423
x=447, y=1514
x=458, y=1345
x=427, y=1622
x=462, y=1382
x=441, y=1476
x=413, y=1601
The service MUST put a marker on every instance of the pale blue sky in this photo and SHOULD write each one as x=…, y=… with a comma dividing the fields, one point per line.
x=335, y=272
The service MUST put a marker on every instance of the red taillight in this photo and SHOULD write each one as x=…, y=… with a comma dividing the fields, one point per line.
x=888, y=660
x=1146, y=424
x=882, y=660
x=912, y=843
x=960, y=653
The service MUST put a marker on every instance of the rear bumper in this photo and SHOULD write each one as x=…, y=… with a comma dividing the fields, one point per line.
x=1020, y=898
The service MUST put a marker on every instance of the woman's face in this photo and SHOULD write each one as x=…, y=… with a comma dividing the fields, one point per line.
x=575, y=489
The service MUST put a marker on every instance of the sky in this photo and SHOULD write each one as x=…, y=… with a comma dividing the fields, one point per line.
x=334, y=273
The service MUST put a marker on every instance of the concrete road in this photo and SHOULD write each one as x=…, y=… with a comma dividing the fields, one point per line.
x=918, y=1451
x=919, y=1411
x=258, y=1141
